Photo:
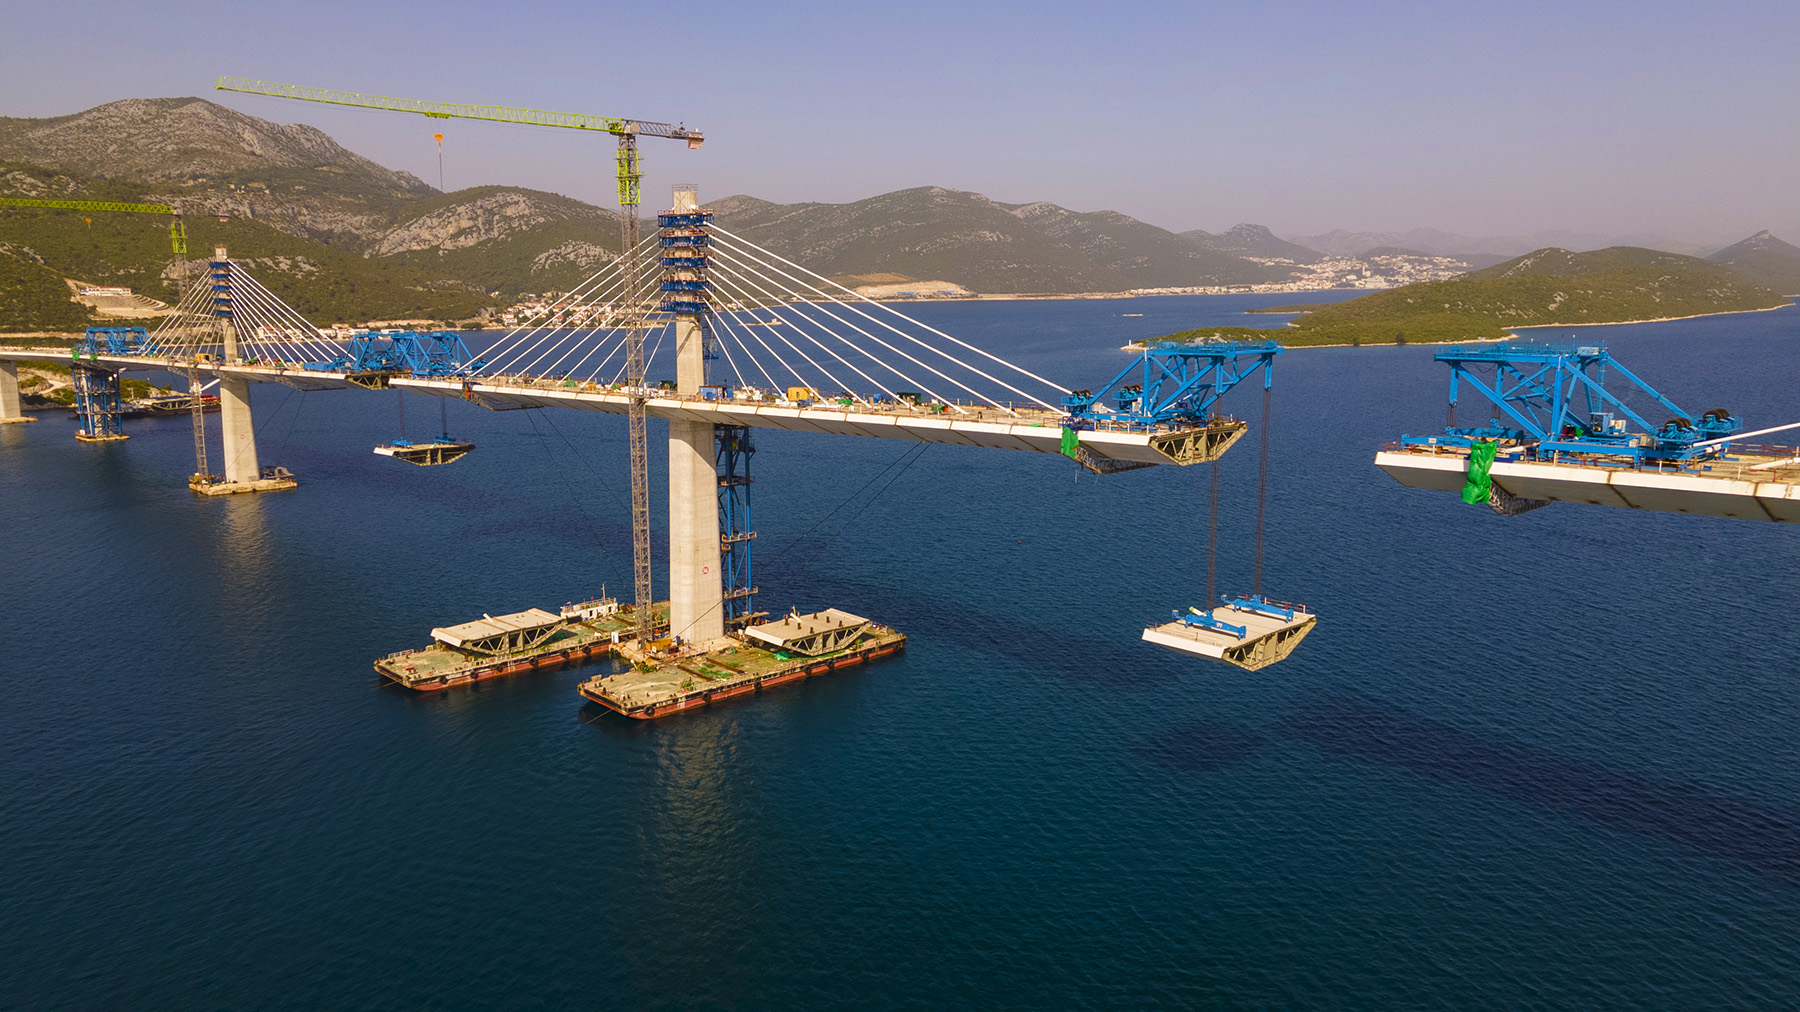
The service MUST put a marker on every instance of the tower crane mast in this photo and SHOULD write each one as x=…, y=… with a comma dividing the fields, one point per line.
x=630, y=176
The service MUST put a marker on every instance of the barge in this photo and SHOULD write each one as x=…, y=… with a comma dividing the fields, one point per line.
x=497, y=645
x=660, y=683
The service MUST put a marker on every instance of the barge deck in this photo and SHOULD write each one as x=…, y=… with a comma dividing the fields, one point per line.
x=508, y=644
x=761, y=657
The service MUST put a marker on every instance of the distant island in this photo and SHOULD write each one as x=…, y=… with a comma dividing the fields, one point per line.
x=1548, y=287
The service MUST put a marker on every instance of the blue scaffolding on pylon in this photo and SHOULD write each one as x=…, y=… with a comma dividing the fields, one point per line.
x=1555, y=400
x=734, y=449
x=97, y=404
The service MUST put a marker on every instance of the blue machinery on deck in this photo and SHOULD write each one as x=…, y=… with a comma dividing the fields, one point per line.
x=1568, y=423
x=1175, y=388
x=378, y=355
x=1555, y=399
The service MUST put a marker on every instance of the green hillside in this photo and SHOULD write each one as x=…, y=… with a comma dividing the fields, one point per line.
x=1550, y=286
x=504, y=239
x=325, y=283
x=33, y=297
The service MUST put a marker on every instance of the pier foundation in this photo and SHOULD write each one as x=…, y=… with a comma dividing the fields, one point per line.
x=11, y=408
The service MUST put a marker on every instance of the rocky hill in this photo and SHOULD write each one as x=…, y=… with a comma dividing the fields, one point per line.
x=1765, y=260
x=1146, y=256
x=927, y=232
x=1253, y=241
x=204, y=154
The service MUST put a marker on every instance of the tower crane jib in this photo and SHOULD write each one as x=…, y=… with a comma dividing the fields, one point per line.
x=630, y=176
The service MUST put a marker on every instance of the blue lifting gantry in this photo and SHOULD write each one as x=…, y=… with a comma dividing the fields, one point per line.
x=1172, y=383
x=432, y=355
x=1175, y=385
x=1554, y=399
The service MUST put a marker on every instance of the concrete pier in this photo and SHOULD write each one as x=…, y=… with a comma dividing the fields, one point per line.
x=696, y=596
x=240, y=432
x=11, y=409
x=243, y=471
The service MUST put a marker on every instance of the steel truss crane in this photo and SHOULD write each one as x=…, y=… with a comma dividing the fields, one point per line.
x=630, y=176
x=177, y=231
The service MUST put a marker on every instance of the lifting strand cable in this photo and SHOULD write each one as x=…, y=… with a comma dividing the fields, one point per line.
x=1212, y=539
x=1262, y=495
x=564, y=474
x=847, y=501
x=820, y=547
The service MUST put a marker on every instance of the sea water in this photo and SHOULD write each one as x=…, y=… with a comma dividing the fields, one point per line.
x=1547, y=762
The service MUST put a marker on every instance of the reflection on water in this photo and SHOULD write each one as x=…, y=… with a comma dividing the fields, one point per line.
x=243, y=547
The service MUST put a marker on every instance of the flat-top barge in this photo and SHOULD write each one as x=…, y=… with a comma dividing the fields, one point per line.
x=497, y=645
x=663, y=682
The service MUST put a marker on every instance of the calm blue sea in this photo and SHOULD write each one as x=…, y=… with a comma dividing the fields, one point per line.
x=1547, y=762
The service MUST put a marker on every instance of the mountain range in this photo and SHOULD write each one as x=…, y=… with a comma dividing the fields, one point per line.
x=350, y=239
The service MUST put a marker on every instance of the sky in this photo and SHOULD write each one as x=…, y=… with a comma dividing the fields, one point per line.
x=1680, y=120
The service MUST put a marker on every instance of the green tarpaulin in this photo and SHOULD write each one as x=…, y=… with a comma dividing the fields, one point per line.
x=1072, y=439
x=1481, y=459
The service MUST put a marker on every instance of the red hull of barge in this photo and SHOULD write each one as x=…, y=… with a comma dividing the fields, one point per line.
x=511, y=667
x=707, y=699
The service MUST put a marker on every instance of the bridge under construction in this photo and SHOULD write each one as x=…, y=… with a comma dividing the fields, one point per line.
x=753, y=340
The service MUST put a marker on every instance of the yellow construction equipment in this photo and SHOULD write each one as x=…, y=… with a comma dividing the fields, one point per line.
x=177, y=231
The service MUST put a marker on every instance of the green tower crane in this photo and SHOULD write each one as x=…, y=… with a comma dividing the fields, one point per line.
x=630, y=176
x=177, y=231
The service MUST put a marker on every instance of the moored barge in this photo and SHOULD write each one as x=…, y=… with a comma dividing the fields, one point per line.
x=759, y=657
x=496, y=645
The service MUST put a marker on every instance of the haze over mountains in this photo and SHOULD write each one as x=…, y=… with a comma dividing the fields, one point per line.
x=353, y=237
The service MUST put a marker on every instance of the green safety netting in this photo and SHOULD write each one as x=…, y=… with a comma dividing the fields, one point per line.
x=1481, y=458
x=1070, y=439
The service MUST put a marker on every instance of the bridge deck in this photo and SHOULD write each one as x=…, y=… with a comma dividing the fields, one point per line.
x=1032, y=429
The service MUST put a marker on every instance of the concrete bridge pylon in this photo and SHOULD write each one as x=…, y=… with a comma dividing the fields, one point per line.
x=696, y=595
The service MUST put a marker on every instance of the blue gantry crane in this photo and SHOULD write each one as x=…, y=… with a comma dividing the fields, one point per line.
x=1175, y=382
x=1569, y=423
x=1556, y=400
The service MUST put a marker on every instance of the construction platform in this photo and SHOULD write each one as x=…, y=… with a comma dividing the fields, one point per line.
x=508, y=644
x=438, y=451
x=20, y=420
x=274, y=479
x=1250, y=633
x=1749, y=483
x=760, y=657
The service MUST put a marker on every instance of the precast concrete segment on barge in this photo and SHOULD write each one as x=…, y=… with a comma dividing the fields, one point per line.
x=1761, y=483
x=508, y=644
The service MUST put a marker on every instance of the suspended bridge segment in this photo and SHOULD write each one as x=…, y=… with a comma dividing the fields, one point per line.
x=1572, y=424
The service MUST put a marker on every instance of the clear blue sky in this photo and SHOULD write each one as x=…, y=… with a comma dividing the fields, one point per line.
x=1676, y=118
